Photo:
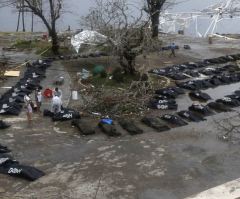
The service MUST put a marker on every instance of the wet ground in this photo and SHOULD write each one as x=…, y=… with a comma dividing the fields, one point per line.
x=169, y=165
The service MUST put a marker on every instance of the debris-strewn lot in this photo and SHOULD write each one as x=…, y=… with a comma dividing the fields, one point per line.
x=145, y=163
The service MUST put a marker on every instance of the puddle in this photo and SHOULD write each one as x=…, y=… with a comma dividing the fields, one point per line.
x=184, y=101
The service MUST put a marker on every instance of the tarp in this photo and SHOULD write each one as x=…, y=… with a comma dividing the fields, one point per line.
x=87, y=37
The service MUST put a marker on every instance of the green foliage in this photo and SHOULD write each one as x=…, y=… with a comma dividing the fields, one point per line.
x=31, y=44
x=23, y=44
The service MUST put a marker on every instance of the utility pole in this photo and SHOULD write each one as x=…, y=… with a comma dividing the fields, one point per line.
x=32, y=22
x=23, y=18
x=20, y=7
x=18, y=20
x=22, y=11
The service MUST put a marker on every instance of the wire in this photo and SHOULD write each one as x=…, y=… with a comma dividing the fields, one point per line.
x=6, y=5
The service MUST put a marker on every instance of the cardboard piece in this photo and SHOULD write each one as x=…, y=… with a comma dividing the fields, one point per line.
x=12, y=73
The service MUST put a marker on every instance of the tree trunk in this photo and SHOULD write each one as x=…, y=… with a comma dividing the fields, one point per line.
x=127, y=61
x=131, y=66
x=155, y=25
x=55, y=45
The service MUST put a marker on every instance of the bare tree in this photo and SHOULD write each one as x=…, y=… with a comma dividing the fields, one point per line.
x=125, y=26
x=154, y=8
x=49, y=11
x=54, y=11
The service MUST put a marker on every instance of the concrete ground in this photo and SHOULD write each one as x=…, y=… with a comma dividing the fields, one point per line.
x=171, y=165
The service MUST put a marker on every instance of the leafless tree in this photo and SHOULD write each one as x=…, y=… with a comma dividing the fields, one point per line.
x=154, y=9
x=125, y=25
x=49, y=11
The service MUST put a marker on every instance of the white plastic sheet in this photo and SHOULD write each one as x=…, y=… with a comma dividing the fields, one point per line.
x=87, y=37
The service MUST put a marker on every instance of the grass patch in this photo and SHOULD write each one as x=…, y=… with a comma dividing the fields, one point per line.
x=29, y=44
x=39, y=47
x=98, y=81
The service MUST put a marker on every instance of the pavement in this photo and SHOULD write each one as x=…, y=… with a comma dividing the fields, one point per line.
x=187, y=162
x=229, y=190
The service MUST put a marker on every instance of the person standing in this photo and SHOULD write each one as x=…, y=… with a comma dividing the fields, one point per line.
x=38, y=98
x=56, y=104
x=28, y=108
x=172, y=48
x=57, y=92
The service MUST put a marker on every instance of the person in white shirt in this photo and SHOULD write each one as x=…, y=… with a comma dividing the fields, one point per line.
x=58, y=92
x=56, y=104
x=28, y=107
x=38, y=99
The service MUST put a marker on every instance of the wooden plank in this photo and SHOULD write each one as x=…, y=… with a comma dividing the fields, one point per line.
x=12, y=73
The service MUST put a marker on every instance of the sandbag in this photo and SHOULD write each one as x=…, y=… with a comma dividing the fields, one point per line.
x=10, y=111
x=229, y=102
x=233, y=96
x=165, y=104
x=155, y=123
x=4, y=149
x=13, y=168
x=219, y=107
x=173, y=119
x=109, y=130
x=208, y=71
x=187, y=85
x=167, y=92
x=237, y=92
x=4, y=125
x=66, y=114
x=215, y=81
x=199, y=108
x=84, y=127
x=47, y=113
x=177, y=76
x=19, y=99
x=225, y=79
x=192, y=73
x=207, y=84
x=190, y=116
x=178, y=90
x=200, y=95
x=130, y=126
